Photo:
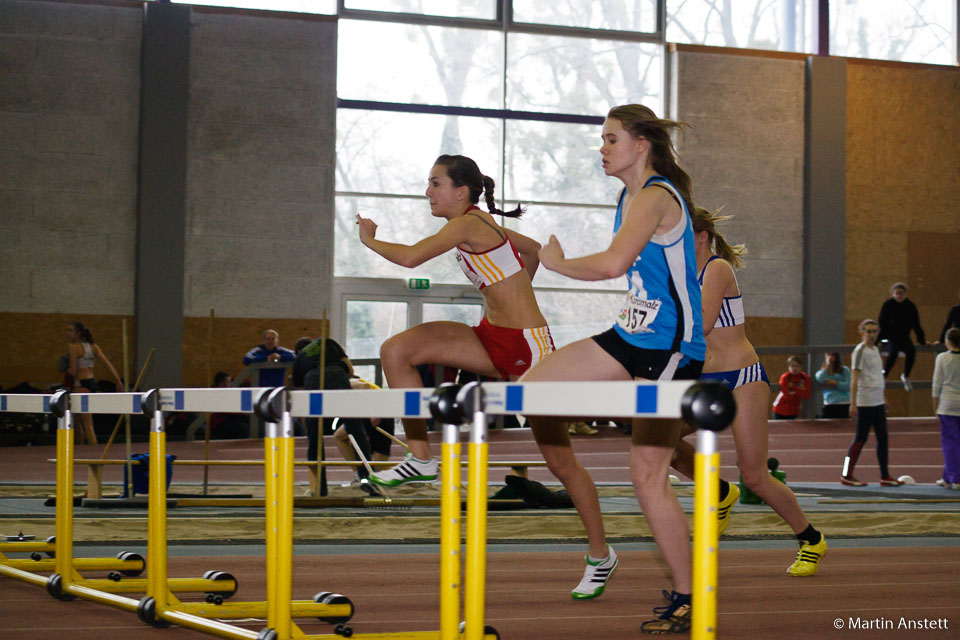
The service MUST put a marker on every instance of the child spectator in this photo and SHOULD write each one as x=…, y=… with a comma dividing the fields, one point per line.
x=794, y=389
x=946, y=405
x=835, y=377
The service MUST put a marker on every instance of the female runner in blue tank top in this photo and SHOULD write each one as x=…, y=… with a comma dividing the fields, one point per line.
x=658, y=335
x=732, y=361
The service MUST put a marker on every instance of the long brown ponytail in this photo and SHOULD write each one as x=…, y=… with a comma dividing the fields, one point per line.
x=704, y=220
x=641, y=122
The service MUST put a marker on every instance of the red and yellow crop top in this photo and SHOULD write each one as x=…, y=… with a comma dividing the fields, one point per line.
x=493, y=265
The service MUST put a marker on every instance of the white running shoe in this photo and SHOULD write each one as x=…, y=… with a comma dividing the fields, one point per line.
x=410, y=470
x=906, y=382
x=595, y=576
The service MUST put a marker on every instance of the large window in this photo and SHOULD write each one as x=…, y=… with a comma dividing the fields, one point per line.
x=618, y=15
x=780, y=25
x=450, y=8
x=526, y=102
x=328, y=7
x=908, y=30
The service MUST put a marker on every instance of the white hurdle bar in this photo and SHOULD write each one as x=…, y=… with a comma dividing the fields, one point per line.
x=625, y=399
x=640, y=399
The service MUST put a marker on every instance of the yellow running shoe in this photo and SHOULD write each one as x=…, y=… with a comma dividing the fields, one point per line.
x=723, y=509
x=808, y=558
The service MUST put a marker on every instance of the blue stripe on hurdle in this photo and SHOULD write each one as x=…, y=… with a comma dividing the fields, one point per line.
x=514, y=398
x=246, y=400
x=84, y=403
x=646, y=398
x=178, y=400
x=411, y=403
x=137, y=403
x=316, y=404
x=3, y=403
x=46, y=404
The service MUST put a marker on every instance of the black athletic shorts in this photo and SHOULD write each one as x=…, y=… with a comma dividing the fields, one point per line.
x=648, y=364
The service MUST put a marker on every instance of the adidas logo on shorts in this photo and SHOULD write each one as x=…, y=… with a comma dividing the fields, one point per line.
x=519, y=363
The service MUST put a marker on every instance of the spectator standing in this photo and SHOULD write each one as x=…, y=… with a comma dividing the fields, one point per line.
x=898, y=317
x=946, y=406
x=835, y=377
x=794, y=389
x=270, y=351
x=868, y=407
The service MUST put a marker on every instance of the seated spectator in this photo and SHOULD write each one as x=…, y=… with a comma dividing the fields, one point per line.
x=337, y=372
x=270, y=351
x=794, y=389
x=835, y=377
x=898, y=317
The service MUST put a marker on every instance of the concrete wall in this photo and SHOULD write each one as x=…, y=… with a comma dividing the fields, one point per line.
x=744, y=152
x=260, y=157
x=69, y=103
x=262, y=126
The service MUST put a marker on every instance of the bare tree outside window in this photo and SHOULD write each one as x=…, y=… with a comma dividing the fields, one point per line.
x=906, y=30
x=780, y=25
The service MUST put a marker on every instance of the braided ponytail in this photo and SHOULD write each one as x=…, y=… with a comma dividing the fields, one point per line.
x=464, y=172
x=488, y=185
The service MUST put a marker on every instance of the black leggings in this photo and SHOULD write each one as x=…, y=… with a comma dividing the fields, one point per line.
x=334, y=377
x=867, y=417
x=835, y=411
x=909, y=353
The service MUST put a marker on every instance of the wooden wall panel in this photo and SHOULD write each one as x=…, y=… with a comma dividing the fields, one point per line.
x=32, y=343
x=233, y=337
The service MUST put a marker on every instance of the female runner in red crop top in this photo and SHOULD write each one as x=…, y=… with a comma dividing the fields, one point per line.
x=513, y=334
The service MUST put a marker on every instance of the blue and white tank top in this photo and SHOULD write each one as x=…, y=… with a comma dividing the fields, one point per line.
x=662, y=307
x=731, y=309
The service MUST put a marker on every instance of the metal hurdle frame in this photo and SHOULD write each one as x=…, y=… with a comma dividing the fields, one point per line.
x=160, y=607
x=126, y=563
x=597, y=399
x=66, y=583
x=633, y=399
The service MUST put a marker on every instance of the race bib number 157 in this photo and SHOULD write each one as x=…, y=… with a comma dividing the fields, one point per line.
x=638, y=314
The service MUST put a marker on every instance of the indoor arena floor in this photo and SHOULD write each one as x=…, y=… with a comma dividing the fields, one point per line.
x=892, y=569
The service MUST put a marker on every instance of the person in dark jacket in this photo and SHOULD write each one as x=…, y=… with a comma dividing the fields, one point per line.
x=953, y=322
x=898, y=317
x=270, y=351
x=337, y=371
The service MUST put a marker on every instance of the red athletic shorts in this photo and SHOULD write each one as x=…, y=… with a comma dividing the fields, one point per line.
x=513, y=351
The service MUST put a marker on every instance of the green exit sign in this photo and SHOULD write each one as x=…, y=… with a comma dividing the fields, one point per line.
x=418, y=283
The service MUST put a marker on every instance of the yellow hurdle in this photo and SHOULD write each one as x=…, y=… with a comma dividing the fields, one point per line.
x=66, y=583
x=476, y=568
x=161, y=606
x=705, y=539
x=450, y=514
